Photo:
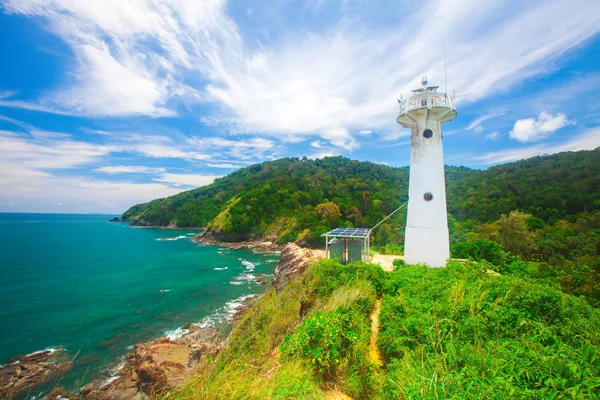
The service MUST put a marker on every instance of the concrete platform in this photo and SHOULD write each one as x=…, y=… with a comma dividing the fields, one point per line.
x=385, y=261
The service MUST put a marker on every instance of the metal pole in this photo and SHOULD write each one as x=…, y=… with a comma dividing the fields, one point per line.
x=394, y=212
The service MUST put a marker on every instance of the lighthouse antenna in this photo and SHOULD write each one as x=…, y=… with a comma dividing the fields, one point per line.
x=445, y=55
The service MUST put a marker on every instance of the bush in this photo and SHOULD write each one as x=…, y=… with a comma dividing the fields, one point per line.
x=482, y=249
x=323, y=341
x=459, y=331
x=398, y=263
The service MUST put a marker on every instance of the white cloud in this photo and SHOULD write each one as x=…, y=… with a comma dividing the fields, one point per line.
x=145, y=57
x=106, y=86
x=131, y=56
x=317, y=144
x=191, y=180
x=324, y=154
x=493, y=136
x=47, y=135
x=365, y=132
x=161, y=151
x=28, y=176
x=340, y=137
x=241, y=149
x=128, y=169
x=477, y=121
x=21, y=152
x=588, y=140
x=475, y=125
x=21, y=124
x=531, y=129
x=225, y=165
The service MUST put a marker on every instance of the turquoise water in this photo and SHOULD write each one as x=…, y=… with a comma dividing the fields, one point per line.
x=85, y=284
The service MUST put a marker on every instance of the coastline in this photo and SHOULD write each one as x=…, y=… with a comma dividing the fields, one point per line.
x=165, y=363
x=28, y=374
x=258, y=246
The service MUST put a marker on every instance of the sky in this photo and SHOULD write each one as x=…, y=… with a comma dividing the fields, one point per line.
x=106, y=104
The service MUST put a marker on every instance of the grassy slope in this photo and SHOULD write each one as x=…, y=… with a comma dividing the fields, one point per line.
x=455, y=332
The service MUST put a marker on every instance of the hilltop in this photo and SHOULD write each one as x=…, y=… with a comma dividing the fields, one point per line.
x=295, y=199
x=454, y=332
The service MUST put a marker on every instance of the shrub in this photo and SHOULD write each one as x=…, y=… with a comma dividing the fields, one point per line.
x=323, y=341
x=398, y=263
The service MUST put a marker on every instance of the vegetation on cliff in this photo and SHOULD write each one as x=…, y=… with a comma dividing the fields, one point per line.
x=295, y=199
x=455, y=332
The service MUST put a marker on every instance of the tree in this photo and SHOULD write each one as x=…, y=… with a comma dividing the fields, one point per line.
x=514, y=234
x=329, y=211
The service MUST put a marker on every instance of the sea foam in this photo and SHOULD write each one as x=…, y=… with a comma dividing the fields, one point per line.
x=176, y=333
x=172, y=238
x=224, y=314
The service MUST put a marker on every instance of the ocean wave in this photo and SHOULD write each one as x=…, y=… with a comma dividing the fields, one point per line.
x=176, y=333
x=244, y=277
x=224, y=314
x=249, y=266
x=221, y=269
x=52, y=350
x=172, y=238
x=113, y=372
x=108, y=381
x=164, y=290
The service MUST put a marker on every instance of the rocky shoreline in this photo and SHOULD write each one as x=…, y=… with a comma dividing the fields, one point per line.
x=257, y=246
x=155, y=367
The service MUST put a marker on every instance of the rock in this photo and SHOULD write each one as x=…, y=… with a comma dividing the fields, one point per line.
x=152, y=379
x=305, y=306
x=292, y=263
x=22, y=374
x=154, y=367
x=262, y=279
x=60, y=393
x=259, y=246
x=116, y=219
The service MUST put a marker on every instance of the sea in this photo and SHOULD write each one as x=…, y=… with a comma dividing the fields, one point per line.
x=95, y=288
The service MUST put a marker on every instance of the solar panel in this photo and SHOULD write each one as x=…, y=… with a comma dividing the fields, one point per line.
x=349, y=232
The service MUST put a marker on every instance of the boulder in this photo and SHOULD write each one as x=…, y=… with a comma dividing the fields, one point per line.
x=293, y=262
x=22, y=374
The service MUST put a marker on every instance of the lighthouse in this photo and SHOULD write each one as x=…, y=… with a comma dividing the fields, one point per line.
x=426, y=236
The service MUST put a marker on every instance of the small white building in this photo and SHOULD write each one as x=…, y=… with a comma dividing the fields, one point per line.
x=426, y=236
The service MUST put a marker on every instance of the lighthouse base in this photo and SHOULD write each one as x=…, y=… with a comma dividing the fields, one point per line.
x=426, y=246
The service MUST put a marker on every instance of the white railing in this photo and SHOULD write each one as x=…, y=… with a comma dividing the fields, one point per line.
x=426, y=100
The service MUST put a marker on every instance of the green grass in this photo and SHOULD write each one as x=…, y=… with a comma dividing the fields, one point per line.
x=455, y=332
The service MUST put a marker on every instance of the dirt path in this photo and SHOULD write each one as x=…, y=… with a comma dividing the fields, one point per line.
x=373, y=351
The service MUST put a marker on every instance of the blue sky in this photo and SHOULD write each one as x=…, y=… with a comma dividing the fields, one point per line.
x=105, y=104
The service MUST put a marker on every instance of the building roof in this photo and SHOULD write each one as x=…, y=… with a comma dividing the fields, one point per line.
x=352, y=233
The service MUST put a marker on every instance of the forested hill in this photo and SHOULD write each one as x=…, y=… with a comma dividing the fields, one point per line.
x=295, y=199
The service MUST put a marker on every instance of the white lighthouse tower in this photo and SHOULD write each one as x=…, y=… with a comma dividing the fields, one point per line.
x=426, y=238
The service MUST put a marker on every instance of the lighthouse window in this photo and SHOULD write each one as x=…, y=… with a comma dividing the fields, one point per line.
x=428, y=133
x=428, y=196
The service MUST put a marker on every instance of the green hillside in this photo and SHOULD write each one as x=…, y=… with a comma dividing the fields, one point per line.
x=295, y=199
x=451, y=333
